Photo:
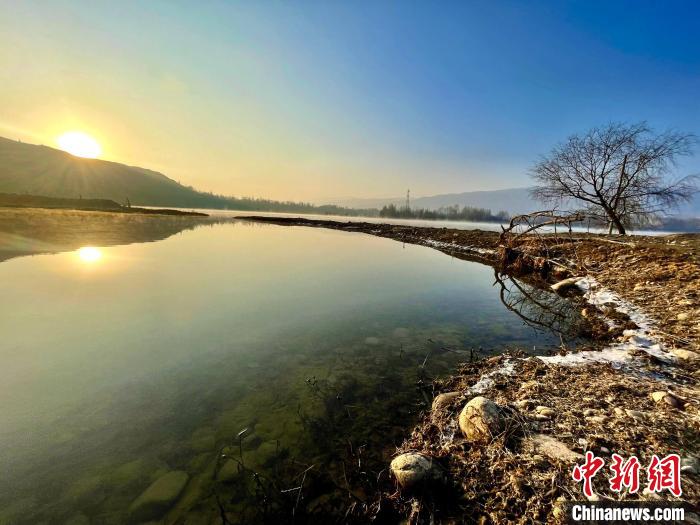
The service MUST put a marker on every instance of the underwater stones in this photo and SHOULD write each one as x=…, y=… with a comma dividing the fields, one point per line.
x=552, y=448
x=228, y=471
x=481, y=420
x=413, y=469
x=203, y=440
x=371, y=341
x=444, y=400
x=159, y=496
x=401, y=332
x=565, y=285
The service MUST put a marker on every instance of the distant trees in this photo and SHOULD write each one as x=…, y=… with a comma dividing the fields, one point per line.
x=452, y=213
x=618, y=174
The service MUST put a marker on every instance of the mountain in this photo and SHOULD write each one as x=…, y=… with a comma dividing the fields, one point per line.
x=514, y=201
x=41, y=170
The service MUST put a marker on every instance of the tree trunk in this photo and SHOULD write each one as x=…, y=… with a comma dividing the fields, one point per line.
x=618, y=224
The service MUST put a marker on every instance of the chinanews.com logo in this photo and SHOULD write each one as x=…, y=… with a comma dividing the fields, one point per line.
x=661, y=474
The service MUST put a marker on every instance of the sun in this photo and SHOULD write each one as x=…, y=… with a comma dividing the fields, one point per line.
x=79, y=144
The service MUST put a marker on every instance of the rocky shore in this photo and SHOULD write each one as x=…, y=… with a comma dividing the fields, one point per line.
x=505, y=433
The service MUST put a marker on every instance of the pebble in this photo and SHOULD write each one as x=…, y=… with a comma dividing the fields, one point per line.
x=444, y=400
x=413, y=469
x=545, y=411
x=666, y=397
x=600, y=420
x=480, y=420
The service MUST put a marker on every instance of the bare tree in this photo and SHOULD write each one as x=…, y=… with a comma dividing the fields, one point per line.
x=619, y=174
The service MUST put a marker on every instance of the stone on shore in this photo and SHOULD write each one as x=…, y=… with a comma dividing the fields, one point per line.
x=444, y=400
x=551, y=448
x=159, y=496
x=666, y=397
x=685, y=355
x=413, y=469
x=481, y=420
x=566, y=284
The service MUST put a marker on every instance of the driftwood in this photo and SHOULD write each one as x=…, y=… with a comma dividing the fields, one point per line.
x=524, y=248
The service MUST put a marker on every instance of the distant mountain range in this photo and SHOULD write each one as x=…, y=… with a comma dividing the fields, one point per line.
x=41, y=170
x=514, y=201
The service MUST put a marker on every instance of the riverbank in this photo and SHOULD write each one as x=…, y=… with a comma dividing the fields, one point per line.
x=636, y=395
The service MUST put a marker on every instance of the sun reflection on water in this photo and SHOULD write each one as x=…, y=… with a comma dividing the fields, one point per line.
x=89, y=254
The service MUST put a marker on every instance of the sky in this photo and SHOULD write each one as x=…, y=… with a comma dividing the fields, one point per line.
x=320, y=100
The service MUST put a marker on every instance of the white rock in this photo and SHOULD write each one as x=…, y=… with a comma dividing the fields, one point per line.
x=685, y=355
x=481, y=420
x=412, y=469
x=566, y=284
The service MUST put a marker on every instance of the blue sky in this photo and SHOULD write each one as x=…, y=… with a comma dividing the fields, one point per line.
x=315, y=100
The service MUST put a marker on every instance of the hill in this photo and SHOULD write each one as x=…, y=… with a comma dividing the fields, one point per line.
x=512, y=200
x=41, y=170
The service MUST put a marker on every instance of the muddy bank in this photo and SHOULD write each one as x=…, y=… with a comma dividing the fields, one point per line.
x=635, y=395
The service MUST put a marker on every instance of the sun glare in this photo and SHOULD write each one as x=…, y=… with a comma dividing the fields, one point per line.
x=89, y=254
x=79, y=144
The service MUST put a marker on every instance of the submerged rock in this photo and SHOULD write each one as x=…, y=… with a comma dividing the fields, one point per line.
x=480, y=420
x=413, y=469
x=159, y=496
x=228, y=471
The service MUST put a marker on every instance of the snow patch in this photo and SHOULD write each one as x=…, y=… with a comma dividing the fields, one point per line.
x=457, y=247
x=486, y=381
x=634, y=340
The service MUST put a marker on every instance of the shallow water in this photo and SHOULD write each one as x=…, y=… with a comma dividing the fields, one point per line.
x=122, y=364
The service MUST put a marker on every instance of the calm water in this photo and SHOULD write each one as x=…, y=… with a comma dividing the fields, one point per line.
x=123, y=364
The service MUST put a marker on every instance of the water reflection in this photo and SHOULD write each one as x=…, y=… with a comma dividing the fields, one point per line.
x=89, y=254
x=539, y=308
x=318, y=342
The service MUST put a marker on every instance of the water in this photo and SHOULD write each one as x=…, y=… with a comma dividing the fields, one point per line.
x=122, y=364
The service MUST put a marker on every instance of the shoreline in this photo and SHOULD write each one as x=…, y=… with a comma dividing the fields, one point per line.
x=636, y=394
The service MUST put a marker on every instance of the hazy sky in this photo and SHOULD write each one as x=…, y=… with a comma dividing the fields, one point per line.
x=318, y=99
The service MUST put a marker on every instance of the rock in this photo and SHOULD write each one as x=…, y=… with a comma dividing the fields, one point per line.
x=666, y=397
x=551, y=448
x=685, y=355
x=586, y=312
x=566, y=284
x=444, y=400
x=599, y=420
x=413, y=469
x=228, y=471
x=545, y=411
x=618, y=412
x=690, y=465
x=159, y=496
x=524, y=404
x=372, y=341
x=589, y=412
x=636, y=415
x=683, y=316
x=481, y=420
